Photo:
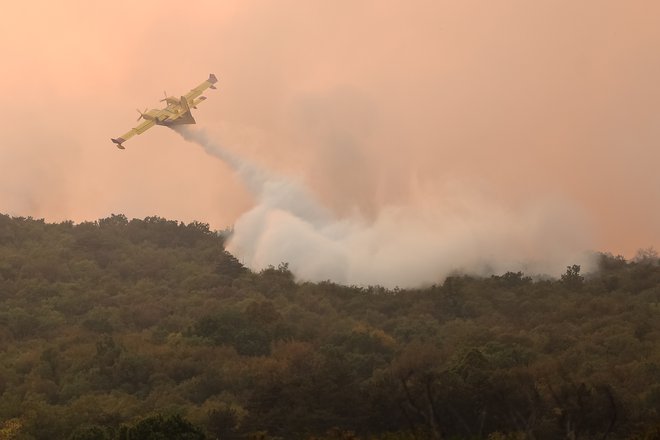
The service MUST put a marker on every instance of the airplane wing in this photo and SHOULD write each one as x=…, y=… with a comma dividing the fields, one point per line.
x=144, y=126
x=209, y=83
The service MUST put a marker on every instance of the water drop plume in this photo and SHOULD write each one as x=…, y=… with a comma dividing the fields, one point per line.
x=410, y=245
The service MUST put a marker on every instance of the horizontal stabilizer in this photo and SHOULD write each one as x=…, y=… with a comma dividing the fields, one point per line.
x=212, y=79
x=118, y=141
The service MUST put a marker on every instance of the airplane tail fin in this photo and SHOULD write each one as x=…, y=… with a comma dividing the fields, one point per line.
x=185, y=104
x=187, y=117
x=212, y=79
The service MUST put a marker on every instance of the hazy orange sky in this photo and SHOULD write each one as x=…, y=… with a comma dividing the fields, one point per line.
x=369, y=102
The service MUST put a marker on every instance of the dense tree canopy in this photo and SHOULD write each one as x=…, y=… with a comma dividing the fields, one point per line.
x=120, y=329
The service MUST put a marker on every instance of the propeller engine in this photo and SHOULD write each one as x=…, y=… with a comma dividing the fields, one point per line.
x=142, y=114
x=170, y=99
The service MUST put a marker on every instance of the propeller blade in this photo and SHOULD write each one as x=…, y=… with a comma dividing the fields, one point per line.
x=141, y=113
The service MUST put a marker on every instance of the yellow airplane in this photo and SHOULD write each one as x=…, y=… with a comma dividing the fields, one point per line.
x=176, y=112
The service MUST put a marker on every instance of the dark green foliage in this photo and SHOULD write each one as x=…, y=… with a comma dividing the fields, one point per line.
x=248, y=337
x=572, y=278
x=91, y=433
x=159, y=427
x=229, y=266
x=105, y=323
x=223, y=423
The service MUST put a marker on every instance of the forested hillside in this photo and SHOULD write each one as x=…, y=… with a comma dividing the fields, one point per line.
x=120, y=329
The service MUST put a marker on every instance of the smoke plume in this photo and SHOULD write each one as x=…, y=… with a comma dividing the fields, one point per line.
x=414, y=244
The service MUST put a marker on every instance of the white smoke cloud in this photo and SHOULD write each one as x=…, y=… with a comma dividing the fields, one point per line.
x=409, y=245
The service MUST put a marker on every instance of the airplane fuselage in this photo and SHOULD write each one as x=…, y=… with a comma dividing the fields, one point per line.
x=167, y=116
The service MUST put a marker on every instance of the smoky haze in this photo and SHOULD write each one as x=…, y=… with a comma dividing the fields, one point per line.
x=429, y=115
x=405, y=245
